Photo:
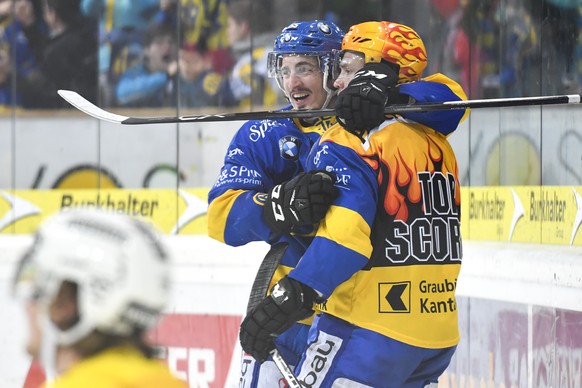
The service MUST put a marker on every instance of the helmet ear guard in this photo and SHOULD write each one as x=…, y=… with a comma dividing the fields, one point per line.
x=392, y=42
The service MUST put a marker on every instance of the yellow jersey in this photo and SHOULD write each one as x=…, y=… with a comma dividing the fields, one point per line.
x=117, y=368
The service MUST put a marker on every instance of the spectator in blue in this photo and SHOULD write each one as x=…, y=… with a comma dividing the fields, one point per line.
x=167, y=12
x=200, y=84
x=122, y=14
x=12, y=40
x=151, y=82
x=21, y=21
x=251, y=38
x=8, y=97
x=67, y=57
x=122, y=24
x=516, y=75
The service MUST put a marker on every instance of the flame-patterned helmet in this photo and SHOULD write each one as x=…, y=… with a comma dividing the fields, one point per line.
x=393, y=42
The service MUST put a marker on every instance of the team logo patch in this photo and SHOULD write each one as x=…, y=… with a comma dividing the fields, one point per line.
x=324, y=27
x=260, y=198
x=287, y=37
x=289, y=147
x=394, y=297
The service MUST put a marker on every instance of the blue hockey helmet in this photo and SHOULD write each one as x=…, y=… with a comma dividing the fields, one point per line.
x=319, y=38
x=314, y=37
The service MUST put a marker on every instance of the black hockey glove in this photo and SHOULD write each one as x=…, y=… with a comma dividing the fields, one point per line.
x=303, y=200
x=290, y=301
x=360, y=106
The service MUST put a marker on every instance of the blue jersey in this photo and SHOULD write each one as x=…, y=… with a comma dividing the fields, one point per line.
x=139, y=87
x=262, y=154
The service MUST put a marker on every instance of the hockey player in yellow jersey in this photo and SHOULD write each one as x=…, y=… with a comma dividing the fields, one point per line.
x=383, y=266
x=93, y=283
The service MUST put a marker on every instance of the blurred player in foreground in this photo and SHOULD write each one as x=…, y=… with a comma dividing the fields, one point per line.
x=92, y=284
x=383, y=266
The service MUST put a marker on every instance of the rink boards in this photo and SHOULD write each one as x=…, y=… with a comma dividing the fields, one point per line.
x=520, y=292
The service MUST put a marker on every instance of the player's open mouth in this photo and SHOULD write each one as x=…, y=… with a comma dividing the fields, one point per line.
x=300, y=96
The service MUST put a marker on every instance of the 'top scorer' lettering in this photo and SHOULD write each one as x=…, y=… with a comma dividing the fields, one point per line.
x=438, y=193
x=435, y=237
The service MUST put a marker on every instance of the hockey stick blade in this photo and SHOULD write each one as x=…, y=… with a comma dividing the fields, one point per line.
x=79, y=102
x=86, y=106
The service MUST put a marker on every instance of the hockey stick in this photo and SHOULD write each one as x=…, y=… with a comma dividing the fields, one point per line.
x=91, y=109
x=259, y=291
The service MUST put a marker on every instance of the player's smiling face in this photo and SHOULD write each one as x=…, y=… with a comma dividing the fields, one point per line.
x=303, y=81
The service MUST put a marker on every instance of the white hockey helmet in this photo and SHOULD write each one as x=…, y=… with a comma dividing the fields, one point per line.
x=120, y=265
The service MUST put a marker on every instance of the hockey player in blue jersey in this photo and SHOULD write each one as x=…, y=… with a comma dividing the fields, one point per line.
x=383, y=266
x=265, y=162
x=267, y=153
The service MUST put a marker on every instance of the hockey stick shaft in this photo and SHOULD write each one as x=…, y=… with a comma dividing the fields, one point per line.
x=265, y=274
x=486, y=103
x=259, y=291
x=285, y=369
x=89, y=108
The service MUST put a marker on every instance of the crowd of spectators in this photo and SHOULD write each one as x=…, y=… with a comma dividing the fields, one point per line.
x=511, y=48
x=49, y=45
x=199, y=53
x=147, y=53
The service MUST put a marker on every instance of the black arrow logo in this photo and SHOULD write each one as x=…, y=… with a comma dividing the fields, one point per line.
x=394, y=297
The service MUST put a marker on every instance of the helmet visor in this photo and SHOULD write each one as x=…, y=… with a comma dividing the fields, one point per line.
x=277, y=66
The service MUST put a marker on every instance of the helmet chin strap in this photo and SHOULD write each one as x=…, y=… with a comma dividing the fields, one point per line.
x=48, y=347
x=330, y=92
x=52, y=337
x=76, y=333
